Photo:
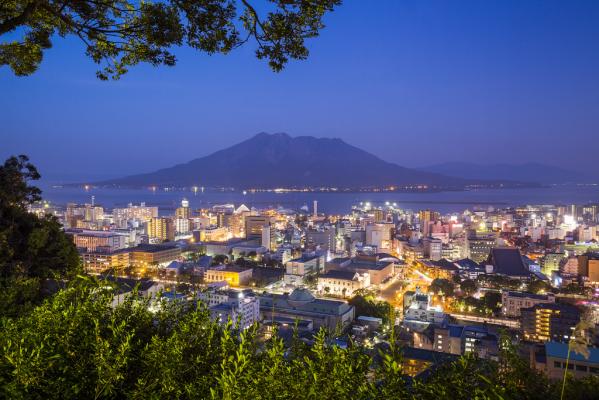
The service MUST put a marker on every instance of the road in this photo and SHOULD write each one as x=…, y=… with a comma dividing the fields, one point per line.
x=510, y=323
x=395, y=291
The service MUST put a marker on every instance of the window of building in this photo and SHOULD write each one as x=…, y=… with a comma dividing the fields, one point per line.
x=581, y=368
x=557, y=364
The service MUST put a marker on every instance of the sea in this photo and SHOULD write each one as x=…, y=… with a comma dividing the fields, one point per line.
x=328, y=202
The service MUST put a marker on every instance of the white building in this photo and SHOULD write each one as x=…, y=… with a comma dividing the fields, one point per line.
x=513, y=302
x=421, y=313
x=432, y=248
x=241, y=307
x=379, y=236
x=182, y=225
x=342, y=283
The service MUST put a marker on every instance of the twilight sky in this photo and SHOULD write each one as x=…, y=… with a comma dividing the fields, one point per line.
x=415, y=82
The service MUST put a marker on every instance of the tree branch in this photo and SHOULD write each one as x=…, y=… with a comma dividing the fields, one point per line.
x=13, y=23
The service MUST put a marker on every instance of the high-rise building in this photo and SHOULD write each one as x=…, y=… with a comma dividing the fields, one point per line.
x=550, y=262
x=426, y=217
x=588, y=266
x=479, y=247
x=549, y=322
x=182, y=225
x=184, y=211
x=141, y=212
x=254, y=224
x=432, y=248
x=379, y=236
x=161, y=228
x=268, y=238
x=379, y=215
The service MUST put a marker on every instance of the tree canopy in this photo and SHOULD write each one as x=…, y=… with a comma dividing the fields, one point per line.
x=32, y=249
x=468, y=287
x=78, y=345
x=118, y=34
x=441, y=286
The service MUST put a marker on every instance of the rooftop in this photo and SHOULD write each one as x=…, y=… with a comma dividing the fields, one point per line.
x=560, y=350
x=153, y=248
x=508, y=261
x=339, y=274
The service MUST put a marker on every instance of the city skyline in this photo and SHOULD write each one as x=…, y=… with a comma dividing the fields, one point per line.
x=470, y=79
x=362, y=200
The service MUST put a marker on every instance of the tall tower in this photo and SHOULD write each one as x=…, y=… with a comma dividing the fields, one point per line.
x=184, y=211
x=315, y=208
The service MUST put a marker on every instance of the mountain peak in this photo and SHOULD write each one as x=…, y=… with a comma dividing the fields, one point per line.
x=276, y=135
x=279, y=160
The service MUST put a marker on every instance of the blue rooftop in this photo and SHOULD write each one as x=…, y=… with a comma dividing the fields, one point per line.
x=560, y=350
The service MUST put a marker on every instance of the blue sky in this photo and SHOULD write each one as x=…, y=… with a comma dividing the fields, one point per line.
x=415, y=82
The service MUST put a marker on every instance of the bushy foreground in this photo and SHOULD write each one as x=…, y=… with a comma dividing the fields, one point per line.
x=76, y=345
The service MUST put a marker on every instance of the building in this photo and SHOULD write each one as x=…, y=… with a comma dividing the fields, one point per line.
x=342, y=283
x=469, y=269
x=241, y=307
x=426, y=217
x=324, y=239
x=379, y=270
x=269, y=239
x=479, y=247
x=417, y=362
x=509, y=262
x=98, y=261
x=254, y=224
x=183, y=212
x=182, y=225
x=297, y=269
x=141, y=213
x=550, y=262
x=513, y=302
x=301, y=305
x=432, y=248
x=97, y=240
x=232, y=274
x=549, y=322
x=153, y=255
x=551, y=359
x=458, y=340
x=162, y=229
x=588, y=267
x=380, y=236
x=420, y=313
x=212, y=234
x=125, y=287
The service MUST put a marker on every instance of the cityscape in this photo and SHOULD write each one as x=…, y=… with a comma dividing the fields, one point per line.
x=299, y=199
x=450, y=284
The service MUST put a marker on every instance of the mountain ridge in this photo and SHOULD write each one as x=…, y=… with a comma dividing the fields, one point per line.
x=267, y=161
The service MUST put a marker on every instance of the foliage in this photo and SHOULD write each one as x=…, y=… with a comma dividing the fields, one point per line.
x=33, y=250
x=486, y=305
x=492, y=301
x=441, y=286
x=538, y=286
x=219, y=259
x=366, y=304
x=498, y=282
x=78, y=345
x=575, y=288
x=118, y=34
x=468, y=287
